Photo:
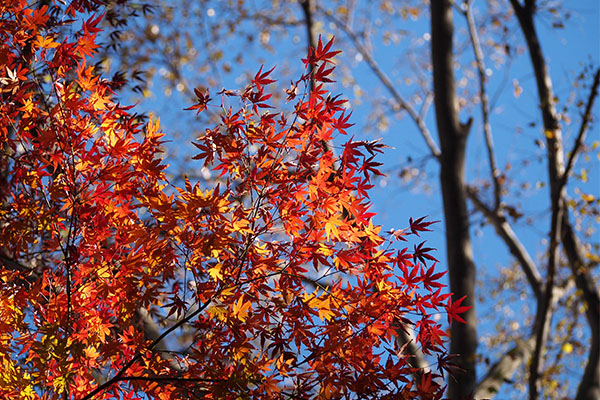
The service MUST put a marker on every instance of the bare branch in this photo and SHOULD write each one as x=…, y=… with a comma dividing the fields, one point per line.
x=485, y=106
x=425, y=107
x=587, y=115
x=504, y=368
x=501, y=371
x=543, y=314
x=509, y=237
x=387, y=83
x=589, y=386
x=555, y=154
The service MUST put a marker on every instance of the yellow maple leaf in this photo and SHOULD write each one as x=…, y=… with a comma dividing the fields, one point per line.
x=215, y=272
x=372, y=232
x=217, y=311
x=323, y=307
x=91, y=353
x=45, y=42
x=241, y=309
x=331, y=227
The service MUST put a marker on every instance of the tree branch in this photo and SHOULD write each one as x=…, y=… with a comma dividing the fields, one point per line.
x=118, y=377
x=152, y=332
x=502, y=371
x=553, y=135
x=504, y=368
x=16, y=266
x=589, y=386
x=509, y=237
x=543, y=316
x=387, y=83
x=586, y=117
x=485, y=107
x=307, y=10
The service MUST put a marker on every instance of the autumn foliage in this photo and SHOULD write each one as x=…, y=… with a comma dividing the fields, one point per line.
x=274, y=283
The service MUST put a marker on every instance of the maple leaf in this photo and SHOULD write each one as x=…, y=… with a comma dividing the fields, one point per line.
x=241, y=308
x=431, y=279
x=203, y=99
x=320, y=75
x=341, y=123
x=454, y=309
x=91, y=25
x=45, y=42
x=331, y=227
x=261, y=78
x=321, y=53
x=86, y=45
x=427, y=385
x=421, y=253
x=370, y=166
x=35, y=18
x=215, y=272
x=446, y=364
x=418, y=225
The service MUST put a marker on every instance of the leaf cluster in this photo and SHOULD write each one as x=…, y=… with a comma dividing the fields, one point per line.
x=275, y=282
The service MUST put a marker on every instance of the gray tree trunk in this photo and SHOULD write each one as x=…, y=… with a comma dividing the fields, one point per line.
x=453, y=140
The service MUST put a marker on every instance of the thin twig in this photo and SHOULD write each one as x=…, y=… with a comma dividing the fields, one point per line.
x=485, y=107
x=308, y=20
x=386, y=81
x=543, y=317
x=554, y=147
x=503, y=369
x=582, y=129
x=118, y=377
x=167, y=379
x=509, y=237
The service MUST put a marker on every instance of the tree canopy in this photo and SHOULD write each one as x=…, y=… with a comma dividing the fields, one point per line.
x=489, y=107
x=118, y=283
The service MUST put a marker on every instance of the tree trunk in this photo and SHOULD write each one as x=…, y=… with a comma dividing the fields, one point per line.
x=453, y=140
